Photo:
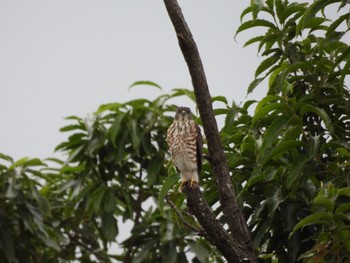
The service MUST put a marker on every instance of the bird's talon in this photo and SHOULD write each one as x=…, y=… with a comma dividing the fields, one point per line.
x=182, y=185
x=193, y=183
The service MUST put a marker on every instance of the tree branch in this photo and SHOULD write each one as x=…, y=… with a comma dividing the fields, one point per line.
x=215, y=231
x=230, y=208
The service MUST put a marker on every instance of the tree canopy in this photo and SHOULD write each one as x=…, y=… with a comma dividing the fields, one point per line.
x=287, y=155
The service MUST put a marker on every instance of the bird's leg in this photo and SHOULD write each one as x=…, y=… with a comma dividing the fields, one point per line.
x=183, y=181
x=193, y=183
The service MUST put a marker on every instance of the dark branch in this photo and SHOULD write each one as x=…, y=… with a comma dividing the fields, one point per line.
x=231, y=210
x=215, y=231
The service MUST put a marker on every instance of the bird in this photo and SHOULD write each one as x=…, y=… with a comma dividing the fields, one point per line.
x=185, y=143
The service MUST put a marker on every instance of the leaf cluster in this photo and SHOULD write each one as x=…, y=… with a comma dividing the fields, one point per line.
x=113, y=176
x=298, y=136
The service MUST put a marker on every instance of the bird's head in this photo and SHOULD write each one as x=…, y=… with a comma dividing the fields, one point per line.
x=183, y=114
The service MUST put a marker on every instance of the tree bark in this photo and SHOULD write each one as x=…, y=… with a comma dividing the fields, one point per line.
x=239, y=232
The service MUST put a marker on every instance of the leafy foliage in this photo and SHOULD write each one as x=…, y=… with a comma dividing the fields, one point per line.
x=298, y=137
x=114, y=173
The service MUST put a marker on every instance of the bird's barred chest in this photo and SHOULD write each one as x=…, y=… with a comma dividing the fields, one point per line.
x=182, y=141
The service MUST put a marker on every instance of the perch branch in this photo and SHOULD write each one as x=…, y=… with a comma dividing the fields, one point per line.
x=215, y=231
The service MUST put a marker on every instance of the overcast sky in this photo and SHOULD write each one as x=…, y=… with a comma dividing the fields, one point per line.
x=61, y=58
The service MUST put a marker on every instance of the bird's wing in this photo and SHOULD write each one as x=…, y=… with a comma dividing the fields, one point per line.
x=199, y=148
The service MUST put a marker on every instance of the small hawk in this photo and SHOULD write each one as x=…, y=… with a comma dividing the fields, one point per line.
x=185, y=144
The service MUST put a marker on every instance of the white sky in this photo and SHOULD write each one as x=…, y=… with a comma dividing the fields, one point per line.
x=61, y=58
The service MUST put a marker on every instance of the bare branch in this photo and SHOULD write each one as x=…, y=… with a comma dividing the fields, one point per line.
x=215, y=231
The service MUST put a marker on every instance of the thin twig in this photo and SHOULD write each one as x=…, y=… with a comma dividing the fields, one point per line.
x=180, y=215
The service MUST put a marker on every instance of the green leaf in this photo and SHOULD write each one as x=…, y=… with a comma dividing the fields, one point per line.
x=267, y=63
x=6, y=244
x=128, y=204
x=18, y=163
x=153, y=168
x=109, y=202
x=109, y=107
x=170, y=181
x=269, y=40
x=296, y=67
x=273, y=131
x=255, y=23
x=292, y=8
x=115, y=128
x=43, y=203
x=135, y=135
x=266, y=100
x=220, y=112
x=280, y=7
x=345, y=71
x=142, y=254
x=145, y=83
x=199, y=250
x=72, y=169
x=72, y=128
x=6, y=157
x=97, y=197
x=316, y=218
x=219, y=98
x=109, y=226
x=344, y=191
x=256, y=6
x=324, y=202
x=169, y=252
x=245, y=12
x=253, y=40
x=320, y=112
x=332, y=27
x=281, y=148
x=49, y=242
x=262, y=112
x=254, y=84
x=296, y=169
x=342, y=208
x=183, y=92
x=120, y=145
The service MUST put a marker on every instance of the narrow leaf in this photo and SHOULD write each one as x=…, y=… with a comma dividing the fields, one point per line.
x=145, y=83
x=219, y=98
x=255, y=23
x=109, y=226
x=6, y=157
x=115, y=128
x=254, y=84
x=262, y=112
x=169, y=183
x=321, y=113
x=316, y=218
x=199, y=250
x=253, y=40
x=6, y=244
x=109, y=203
x=273, y=131
x=280, y=148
